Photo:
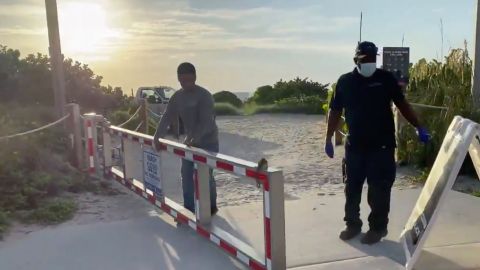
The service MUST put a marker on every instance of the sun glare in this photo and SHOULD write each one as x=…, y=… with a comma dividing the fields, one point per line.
x=84, y=31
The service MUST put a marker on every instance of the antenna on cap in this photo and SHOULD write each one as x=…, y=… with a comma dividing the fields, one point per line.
x=361, y=24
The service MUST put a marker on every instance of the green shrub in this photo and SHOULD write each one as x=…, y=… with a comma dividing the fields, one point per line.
x=28, y=80
x=307, y=105
x=118, y=117
x=296, y=88
x=121, y=116
x=34, y=169
x=263, y=95
x=227, y=97
x=446, y=84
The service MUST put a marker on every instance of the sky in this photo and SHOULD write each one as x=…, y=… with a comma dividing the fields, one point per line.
x=236, y=45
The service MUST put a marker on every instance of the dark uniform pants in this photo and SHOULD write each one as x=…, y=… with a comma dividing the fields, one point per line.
x=378, y=167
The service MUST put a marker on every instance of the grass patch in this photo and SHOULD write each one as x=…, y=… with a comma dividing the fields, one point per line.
x=227, y=109
x=476, y=193
x=93, y=185
x=51, y=212
x=83, y=184
x=308, y=105
x=422, y=177
x=292, y=105
x=252, y=108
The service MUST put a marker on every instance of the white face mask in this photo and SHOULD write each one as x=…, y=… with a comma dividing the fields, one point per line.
x=367, y=69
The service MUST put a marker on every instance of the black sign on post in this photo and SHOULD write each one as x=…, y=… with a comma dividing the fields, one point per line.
x=397, y=61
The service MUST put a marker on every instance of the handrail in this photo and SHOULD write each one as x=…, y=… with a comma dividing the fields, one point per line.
x=179, y=148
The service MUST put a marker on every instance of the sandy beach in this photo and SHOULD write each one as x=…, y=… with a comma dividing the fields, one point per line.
x=292, y=143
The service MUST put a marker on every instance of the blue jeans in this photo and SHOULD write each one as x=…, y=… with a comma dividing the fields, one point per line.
x=188, y=185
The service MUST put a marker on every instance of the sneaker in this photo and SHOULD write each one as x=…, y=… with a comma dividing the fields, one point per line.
x=372, y=237
x=350, y=232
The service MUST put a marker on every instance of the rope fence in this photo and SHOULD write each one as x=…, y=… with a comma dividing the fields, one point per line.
x=131, y=118
x=35, y=130
x=413, y=105
x=139, y=125
x=428, y=106
x=155, y=115
x=152, y=124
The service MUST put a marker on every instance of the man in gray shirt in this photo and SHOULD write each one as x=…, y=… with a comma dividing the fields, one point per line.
x=195, y=107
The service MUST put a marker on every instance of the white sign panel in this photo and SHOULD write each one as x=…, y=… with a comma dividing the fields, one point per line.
x=152, y=171
x=440, y=180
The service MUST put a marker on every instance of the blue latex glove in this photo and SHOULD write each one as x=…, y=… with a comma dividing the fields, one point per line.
x=423, y=135
x=329, y=149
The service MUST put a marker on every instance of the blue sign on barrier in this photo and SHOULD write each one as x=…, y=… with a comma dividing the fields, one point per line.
x=152, y=172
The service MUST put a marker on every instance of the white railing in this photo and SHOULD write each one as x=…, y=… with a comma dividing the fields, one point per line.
x=135, y=146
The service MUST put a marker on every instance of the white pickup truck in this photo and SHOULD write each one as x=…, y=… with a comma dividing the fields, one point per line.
x=156, y=96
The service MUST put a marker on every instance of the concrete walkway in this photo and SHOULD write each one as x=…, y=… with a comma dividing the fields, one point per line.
x=312, y=226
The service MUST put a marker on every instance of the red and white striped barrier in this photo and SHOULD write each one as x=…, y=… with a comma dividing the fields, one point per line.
x=174, y=210
x=274, y=231
x=221, y=162
x=90, y=146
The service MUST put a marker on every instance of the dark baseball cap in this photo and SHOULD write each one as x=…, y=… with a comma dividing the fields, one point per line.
x=366, y=48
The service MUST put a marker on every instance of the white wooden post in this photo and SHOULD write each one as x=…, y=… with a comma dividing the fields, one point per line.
x=202, y=194
x=274, y=202
x=107, y=152
x=74, y=128
x=90, y=125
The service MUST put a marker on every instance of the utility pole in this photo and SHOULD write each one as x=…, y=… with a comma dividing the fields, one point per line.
x=56, y=57
x=476, y=66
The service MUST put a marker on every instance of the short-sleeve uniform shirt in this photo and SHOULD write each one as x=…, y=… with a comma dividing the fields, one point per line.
x=368, y=108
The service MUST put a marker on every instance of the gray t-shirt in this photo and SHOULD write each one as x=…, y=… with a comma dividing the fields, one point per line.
x=196, y=109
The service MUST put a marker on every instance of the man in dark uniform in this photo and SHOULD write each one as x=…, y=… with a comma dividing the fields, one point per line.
x=366, y=96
